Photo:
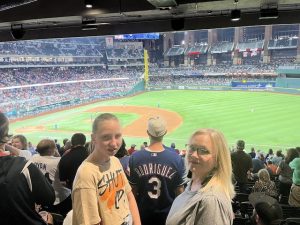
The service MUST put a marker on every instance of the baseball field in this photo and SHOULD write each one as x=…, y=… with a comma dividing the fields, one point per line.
x=264, y=120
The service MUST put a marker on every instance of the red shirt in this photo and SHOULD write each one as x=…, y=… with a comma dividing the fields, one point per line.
x=273, y=168
x=131, y=150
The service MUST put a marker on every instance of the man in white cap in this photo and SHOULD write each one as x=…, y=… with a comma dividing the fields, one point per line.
x=156, y=175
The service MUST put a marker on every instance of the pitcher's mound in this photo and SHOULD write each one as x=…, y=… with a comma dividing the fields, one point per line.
x=138, y=128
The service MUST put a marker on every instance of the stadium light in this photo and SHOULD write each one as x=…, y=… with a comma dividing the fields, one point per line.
x=235, y=15
x=89, y=4
x=17, y=31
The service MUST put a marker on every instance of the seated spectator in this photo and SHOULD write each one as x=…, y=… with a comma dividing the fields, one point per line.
x=285, y=172
x=142, y=147
x=173, y=147
x=20, y=142
x=259, y=154
x=132, y=149
x=252, y=153
x=258, y=163
x=47, y=161
x=56, y=142
x=145, y=143
x=67, y=147
x=183, y=153
x=72, y=159
x=294, y=198
x=267, y=210
x=277, y=158
x=31, y=148
x=271, y=168
x=61, y=150
x=269, y=156
x=21, y=186
x=264, y=184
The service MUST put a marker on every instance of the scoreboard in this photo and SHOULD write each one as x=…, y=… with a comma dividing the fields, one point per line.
x=137, y=36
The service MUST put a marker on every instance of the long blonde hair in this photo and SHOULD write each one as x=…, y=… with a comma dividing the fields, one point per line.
x=222, y=177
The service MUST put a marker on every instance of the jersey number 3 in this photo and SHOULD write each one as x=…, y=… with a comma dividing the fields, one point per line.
x=155, y=193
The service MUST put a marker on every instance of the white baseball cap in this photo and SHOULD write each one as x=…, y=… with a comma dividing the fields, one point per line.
x=157, y=127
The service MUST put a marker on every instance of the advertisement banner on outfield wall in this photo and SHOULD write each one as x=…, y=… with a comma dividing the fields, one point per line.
x=251, y=85
x=203, y=88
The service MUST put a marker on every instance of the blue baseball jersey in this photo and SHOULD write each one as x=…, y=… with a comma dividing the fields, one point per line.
x=156, y=175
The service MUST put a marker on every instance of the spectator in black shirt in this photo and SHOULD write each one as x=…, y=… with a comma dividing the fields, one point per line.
x=72, y=159
x=242, y=166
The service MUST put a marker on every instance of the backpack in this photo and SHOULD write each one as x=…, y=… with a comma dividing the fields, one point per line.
x=10, y=167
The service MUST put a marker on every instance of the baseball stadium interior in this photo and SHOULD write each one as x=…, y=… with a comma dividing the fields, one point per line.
x=233, y=65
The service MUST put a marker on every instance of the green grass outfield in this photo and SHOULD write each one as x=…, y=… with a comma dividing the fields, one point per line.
x=264, y=120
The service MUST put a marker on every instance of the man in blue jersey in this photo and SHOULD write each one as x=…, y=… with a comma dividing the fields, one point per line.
x=156, y=175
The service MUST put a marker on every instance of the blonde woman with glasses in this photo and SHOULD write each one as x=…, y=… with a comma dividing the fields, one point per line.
x=207, y=198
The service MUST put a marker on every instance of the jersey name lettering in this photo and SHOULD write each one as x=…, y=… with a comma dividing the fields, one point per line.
x=155, y=169
x=41, y=166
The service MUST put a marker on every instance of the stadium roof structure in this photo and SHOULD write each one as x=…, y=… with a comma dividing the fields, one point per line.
x=39, y=19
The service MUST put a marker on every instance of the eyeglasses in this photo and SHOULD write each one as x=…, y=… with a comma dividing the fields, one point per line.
x=201, y=150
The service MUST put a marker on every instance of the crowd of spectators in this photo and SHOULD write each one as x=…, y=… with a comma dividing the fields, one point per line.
x=283, y=61
x=196, y=81
x=125, y=53
x=283, y=43
x=216, y=75
x=221, y=69
x=51, y=48
x=65, y=52
x=53, y=62
x=25, y=99
x=71, y=48
x=26, y=89
x=39, y=75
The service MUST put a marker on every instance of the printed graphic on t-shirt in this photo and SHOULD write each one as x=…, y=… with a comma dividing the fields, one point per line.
x=111, y=188
x=43, y=168
x=128, y=220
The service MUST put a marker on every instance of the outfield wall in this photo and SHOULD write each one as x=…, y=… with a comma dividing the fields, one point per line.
x=288, y=82
x=225, y=88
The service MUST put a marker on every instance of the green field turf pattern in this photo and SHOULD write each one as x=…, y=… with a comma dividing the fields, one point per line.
x=264, y=120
